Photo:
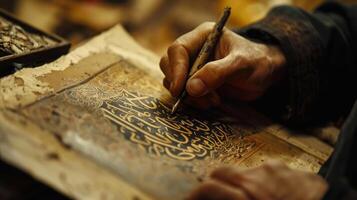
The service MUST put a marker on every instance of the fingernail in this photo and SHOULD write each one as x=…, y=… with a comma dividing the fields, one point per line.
x=196, y=87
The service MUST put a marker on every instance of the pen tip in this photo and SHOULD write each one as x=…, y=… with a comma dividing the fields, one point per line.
x=174, y=108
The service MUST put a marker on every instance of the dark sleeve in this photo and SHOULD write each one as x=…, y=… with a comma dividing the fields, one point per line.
x=321, y=53
x=340, y=190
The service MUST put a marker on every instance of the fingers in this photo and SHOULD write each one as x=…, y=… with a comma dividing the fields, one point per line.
x=175, y=67
x=254, y=181
x=164, y=66
x=166, y=83
x=247, y=180
x=227, y=174
x=179, y=65
x=214, y=74
x=213, y=189
x=175, y=64
x=272, y=180
x=193, y=41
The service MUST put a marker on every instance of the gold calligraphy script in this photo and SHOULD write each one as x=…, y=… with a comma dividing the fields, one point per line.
x=147, y=122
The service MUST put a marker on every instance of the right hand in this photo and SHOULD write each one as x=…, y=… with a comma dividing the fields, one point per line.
x=240, y=68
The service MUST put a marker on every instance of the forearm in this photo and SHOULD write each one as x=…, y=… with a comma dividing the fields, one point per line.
x=319, y=51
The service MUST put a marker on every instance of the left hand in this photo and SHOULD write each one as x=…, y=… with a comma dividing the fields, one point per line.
x=270, y=181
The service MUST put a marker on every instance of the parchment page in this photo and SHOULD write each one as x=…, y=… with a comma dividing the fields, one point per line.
x=111, y=107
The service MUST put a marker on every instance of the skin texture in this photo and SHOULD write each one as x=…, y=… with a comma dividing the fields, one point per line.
x=270, y=181
x=242, y=70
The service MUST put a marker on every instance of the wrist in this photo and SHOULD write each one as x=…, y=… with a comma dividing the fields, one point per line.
x=278, y=62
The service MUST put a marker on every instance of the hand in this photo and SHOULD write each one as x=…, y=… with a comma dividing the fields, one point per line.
x=271, y=181
x=241, y=69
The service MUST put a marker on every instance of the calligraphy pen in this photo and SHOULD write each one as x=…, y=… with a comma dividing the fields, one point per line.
x=205, y=53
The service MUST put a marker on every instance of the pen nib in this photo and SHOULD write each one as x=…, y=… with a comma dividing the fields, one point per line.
x=174, y=108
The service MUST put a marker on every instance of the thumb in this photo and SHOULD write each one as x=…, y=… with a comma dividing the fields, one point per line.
x=213, y=75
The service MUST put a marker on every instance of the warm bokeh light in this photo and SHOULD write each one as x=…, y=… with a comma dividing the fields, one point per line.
x=154, y=23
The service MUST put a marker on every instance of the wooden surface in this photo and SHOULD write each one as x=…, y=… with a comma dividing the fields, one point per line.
x=94, y=125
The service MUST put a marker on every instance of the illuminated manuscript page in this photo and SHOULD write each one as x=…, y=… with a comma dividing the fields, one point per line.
x=96, y=124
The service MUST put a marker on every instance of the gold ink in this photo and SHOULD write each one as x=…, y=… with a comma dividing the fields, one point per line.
x=147, y=122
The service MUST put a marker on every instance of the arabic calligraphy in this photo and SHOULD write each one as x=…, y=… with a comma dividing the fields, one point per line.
x=147, y=122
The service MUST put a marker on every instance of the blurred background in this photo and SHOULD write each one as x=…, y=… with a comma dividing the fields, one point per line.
x=153, y=23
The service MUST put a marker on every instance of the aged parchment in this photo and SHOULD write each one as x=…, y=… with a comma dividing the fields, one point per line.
x=104, y=104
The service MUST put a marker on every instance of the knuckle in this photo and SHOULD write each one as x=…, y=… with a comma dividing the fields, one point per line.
x=206, y=25
x=263, y=62
x=240, y=59
x=183, y=39
x=209, y=185
x=220, y=171
x=268, y=60
x=212, y=69
x=177, y=52
x=179, y=42
x=173, y=47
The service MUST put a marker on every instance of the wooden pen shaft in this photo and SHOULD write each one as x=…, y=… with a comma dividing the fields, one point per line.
x=206, y=51
x=210, y=43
